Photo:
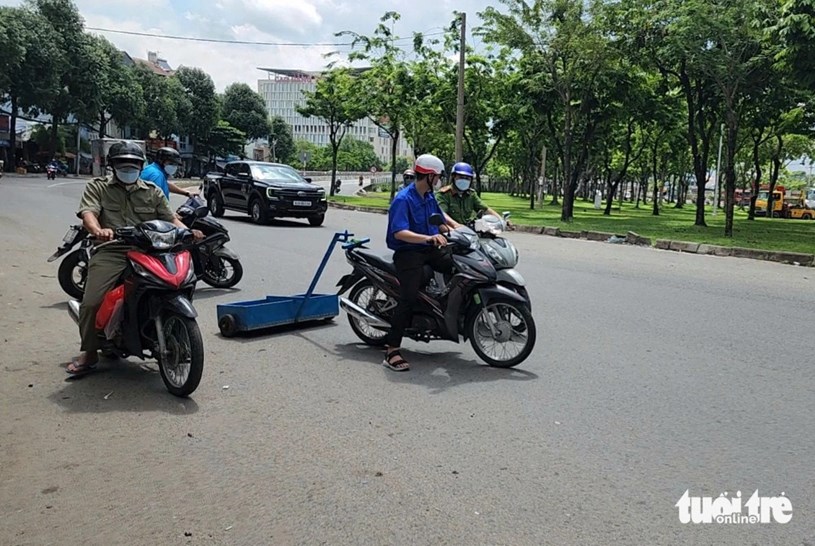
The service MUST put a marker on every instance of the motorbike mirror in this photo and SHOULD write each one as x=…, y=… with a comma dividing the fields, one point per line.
x=200, y=212
x=436, y=219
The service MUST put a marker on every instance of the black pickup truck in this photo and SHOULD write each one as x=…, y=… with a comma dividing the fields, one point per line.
x=265, y=191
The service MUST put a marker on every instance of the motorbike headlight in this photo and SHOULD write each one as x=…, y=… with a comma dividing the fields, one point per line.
x=493, y=254
x=161, y=240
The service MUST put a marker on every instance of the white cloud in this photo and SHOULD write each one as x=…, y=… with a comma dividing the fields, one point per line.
x=301, y=21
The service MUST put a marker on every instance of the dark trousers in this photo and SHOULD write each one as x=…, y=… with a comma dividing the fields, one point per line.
x=409, y=269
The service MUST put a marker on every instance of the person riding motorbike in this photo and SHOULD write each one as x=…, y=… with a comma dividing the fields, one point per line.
x=157, y=173
x=415, y=243
x=459, y=200
x=408, y=177
x=107, y=204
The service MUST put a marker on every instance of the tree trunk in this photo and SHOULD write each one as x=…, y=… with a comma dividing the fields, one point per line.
x=730, y=173
x=103, y=124
x=54, y=135
x=12, y=138
x=756, y=180
x=394, y=147
x=611, y=189
x=556, y=185
x=775, y=170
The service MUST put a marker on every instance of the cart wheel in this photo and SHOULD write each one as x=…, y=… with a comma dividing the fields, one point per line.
x=228, y=325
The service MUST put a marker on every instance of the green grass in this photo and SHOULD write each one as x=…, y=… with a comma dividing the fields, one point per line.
x=675, y=224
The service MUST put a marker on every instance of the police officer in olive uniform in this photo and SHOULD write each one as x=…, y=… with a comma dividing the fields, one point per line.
x=458, y=200
x=109, y=203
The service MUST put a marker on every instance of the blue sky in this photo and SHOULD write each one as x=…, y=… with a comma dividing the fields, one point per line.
x=257, y=20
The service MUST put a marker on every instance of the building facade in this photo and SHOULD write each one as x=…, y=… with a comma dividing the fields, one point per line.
x=283, y=92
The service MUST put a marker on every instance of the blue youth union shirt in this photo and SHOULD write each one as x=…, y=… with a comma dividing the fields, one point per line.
x=154, y=174
x=409, y=210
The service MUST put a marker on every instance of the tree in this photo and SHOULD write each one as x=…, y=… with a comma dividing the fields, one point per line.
x=386, y=86
x=203, y=113
x=244, y=109
x=166, y=104
x=28, y=74
x=77, y=67
x=671, y=36
x=357, y=155
x=796, y=30
x=122, y=97
x=281, y=141
x=562, y=36
x=223, y=140
x=334, y=100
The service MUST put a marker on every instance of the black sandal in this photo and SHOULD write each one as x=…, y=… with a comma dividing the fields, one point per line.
x=399, y=365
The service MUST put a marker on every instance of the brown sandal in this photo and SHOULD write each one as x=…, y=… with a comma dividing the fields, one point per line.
x=398, y=365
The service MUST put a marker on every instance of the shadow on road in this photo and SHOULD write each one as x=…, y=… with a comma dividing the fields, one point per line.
x=439, y=371
x=209, y=292
x=264, y=334
x=61, y=305
x=130, y=386
x=279, y=222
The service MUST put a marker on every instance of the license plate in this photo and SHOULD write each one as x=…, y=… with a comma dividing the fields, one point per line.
x=70, y=236
x=302, y=203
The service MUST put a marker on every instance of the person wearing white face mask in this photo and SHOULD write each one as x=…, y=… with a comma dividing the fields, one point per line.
x=107, y=204
x=166, y=165
x=459, y=200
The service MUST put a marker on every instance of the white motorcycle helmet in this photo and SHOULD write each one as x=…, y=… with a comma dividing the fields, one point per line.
x=489, y=224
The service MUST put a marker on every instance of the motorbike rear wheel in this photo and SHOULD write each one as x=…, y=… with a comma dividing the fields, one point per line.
x=222, y=272
x=512, y=328
x=365, y=294
x=72, y=274
x=181, y=368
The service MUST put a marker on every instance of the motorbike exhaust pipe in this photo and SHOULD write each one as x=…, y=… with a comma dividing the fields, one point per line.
x=73, y=310
x=358, y=312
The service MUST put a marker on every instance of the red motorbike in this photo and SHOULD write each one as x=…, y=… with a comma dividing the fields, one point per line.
x=51, y=172
x=149, y=313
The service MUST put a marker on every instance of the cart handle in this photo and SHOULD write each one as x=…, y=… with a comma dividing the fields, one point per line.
x=354, y=243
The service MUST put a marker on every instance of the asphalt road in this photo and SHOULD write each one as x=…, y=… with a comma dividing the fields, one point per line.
x=654, y=373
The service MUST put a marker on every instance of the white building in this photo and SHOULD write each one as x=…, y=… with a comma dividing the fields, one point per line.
x=283, y=92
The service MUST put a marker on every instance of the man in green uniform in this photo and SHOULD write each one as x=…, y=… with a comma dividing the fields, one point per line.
x=458, y=200
x=110, y=203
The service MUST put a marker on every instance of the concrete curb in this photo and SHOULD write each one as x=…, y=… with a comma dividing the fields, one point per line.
x=631, y=238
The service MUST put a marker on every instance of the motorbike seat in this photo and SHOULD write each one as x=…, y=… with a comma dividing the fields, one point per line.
x=386, y=264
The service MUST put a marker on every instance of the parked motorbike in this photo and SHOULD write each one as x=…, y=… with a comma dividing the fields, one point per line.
x=149, y=313
x=214, y=264
x=472, y=305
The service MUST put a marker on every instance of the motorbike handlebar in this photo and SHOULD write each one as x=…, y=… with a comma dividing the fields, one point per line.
x=356, y=243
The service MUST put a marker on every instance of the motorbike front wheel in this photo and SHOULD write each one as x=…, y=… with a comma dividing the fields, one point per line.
x=370, y=298
x=72, y=274
x=183, y=364
x=502, y=333
x=222, y=271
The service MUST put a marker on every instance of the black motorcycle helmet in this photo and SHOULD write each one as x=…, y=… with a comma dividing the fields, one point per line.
x=168, y=155
x=125, y=152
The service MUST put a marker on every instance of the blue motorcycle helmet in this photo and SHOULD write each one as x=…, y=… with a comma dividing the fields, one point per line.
x=463, y=175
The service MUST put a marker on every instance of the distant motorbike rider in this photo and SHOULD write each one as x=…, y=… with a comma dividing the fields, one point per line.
x=415, y=242
x=459, y=200
x=166, y=164
x=107, y=204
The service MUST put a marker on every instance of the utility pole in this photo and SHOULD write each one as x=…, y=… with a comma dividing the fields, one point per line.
x=78, y=143
x=460, y=106
x=718, y=164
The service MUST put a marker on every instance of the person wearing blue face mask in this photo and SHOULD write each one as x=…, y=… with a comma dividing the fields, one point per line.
x=166, y=165
x=458, y=199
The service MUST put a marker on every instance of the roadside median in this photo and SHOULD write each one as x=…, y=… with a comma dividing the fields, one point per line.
x=632, y=238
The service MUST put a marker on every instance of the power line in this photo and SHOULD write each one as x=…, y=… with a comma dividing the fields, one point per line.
x=235, y=42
